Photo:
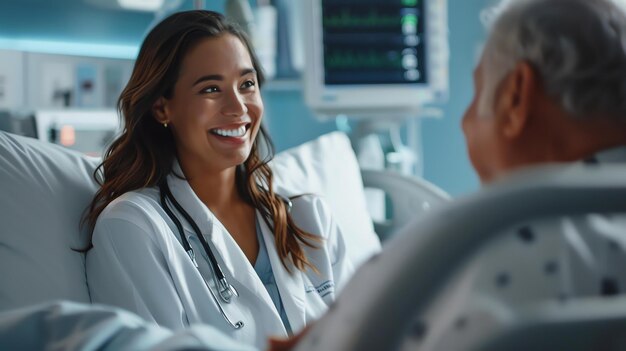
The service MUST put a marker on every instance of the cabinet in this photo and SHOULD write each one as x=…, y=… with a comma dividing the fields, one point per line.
x=11, y=80
x=32, y=81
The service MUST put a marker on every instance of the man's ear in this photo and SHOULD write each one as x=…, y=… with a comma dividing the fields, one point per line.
x=517, y=97
x=159, y=109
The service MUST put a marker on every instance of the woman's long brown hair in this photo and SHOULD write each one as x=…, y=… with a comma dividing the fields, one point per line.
x=143, y=155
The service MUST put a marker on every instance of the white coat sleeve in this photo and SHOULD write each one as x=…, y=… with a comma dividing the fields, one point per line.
x=127, y=268
x=72, y=326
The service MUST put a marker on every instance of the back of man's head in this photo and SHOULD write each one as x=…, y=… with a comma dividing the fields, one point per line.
x=578, y=47
x=550, y=86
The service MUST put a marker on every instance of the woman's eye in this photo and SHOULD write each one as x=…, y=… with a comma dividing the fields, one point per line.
x=248, y=84
x=211, y=89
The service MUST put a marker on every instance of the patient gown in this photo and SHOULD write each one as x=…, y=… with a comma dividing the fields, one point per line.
x=541, y=261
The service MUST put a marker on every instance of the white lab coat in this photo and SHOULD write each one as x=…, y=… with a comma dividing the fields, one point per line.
x=138, y=263
x=545, y=260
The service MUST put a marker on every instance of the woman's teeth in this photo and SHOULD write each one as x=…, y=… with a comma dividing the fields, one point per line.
x=239, y=132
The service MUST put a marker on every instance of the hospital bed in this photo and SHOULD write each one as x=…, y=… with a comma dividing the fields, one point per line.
x=37, y=264
x=409, y=198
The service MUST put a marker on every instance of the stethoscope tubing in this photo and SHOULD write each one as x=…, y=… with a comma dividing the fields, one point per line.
x=227, y=291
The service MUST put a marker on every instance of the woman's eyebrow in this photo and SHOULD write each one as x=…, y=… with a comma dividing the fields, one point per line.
x=221, y=77
x=208, y=77
x=247, y=71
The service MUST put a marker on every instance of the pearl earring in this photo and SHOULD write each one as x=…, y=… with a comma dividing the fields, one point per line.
x=165, y=124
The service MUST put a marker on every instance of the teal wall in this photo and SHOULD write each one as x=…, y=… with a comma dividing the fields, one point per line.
x=70, y=20
x=445, y=156
x=290, y=122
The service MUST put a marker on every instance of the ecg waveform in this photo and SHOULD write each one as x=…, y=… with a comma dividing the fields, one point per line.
x=372, y=19
x=367, y=59
x=346, y=19
x=379, y=3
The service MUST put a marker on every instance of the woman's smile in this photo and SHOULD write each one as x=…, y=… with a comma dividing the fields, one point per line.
x=234, y=134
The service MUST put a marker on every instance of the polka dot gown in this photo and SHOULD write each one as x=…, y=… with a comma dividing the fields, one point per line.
x=558, y=259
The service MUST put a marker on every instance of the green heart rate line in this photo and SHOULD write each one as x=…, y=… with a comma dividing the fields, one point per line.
x=372, y=19
x=363, y=60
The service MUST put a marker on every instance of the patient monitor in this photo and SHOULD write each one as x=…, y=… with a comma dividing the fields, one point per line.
x=374, y=65
x=377, y=62
x=375, y=58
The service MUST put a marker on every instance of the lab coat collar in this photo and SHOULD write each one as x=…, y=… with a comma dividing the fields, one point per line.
x=290, y=286
x=205, y=220
x=187, y=198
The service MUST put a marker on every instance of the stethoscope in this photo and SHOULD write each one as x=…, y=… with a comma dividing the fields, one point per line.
x=226, y=290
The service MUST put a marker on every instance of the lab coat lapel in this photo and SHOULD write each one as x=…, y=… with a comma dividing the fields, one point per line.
x=290, y=286
x=204, y=218
x=241, y=269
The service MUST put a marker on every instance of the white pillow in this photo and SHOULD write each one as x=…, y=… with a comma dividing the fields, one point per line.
x=44, y=190
x=328, y=167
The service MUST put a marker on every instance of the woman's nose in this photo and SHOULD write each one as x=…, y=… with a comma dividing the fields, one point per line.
x=234, y=104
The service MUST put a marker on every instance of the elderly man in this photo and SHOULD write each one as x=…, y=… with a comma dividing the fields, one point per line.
x=550, y=88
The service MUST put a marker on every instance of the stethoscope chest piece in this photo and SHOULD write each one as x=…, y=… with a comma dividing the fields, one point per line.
x=227, y=291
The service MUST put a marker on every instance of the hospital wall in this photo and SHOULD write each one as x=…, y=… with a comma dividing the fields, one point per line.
x=290, y=122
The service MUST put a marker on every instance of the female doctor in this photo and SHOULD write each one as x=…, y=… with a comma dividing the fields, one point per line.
x=186, y=226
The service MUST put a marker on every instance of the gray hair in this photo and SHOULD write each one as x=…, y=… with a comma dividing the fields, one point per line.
x=577, y=46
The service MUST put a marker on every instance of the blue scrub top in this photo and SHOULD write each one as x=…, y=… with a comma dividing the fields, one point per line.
x=264, y=270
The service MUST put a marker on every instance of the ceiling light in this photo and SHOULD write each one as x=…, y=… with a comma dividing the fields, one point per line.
x=141, y=5
x=132, y=5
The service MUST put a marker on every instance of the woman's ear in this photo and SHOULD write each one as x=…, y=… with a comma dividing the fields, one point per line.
x=518, y=97
x=159, y=110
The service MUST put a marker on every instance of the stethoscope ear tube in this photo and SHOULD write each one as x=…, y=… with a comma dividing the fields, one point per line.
x=205, y=245
x=164, y=191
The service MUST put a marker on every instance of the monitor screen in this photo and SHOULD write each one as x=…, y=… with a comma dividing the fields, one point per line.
x=374, y=42
x=375, y=56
